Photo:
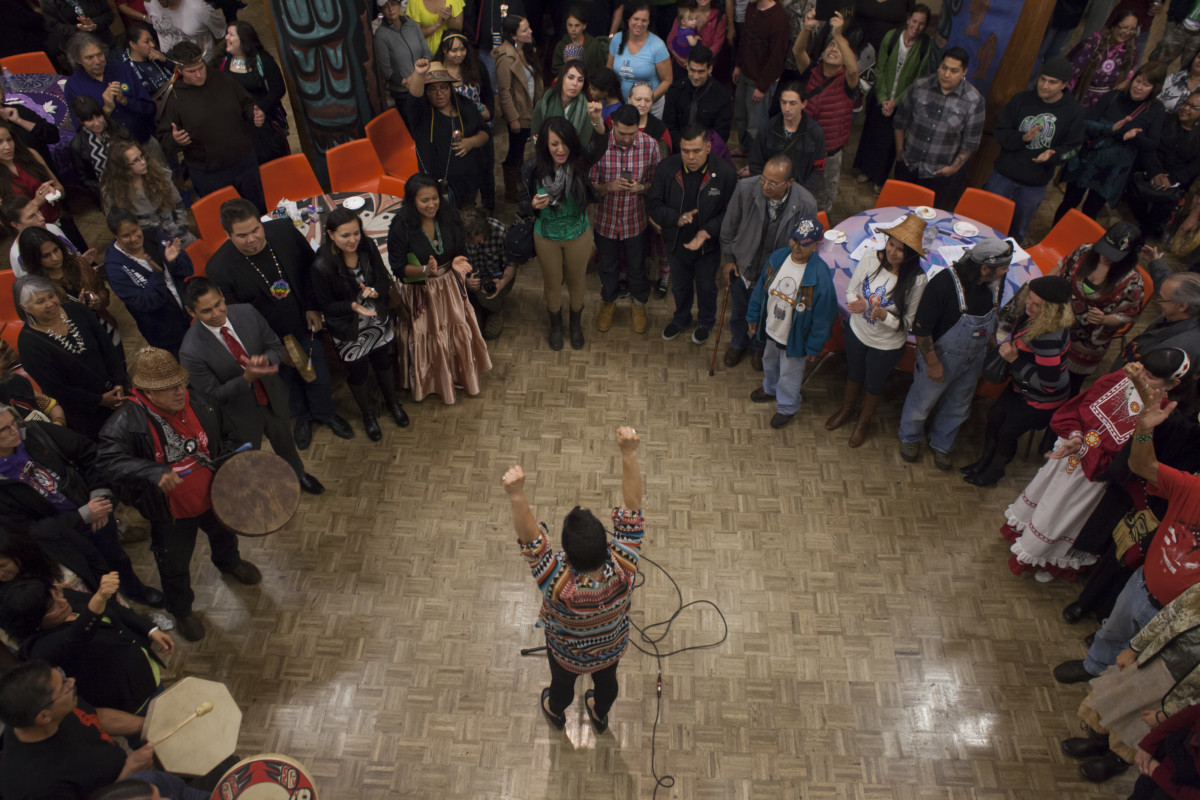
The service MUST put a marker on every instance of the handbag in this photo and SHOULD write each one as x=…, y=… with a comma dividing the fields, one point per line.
x=518, y=242
x=995, y=368
x=1141, y=183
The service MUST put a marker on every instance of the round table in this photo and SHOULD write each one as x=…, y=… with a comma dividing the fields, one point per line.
x=45, y=95
x=376, y=214
x=857, y=229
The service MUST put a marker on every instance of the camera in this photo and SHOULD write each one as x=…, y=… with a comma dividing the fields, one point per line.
x=487, y=284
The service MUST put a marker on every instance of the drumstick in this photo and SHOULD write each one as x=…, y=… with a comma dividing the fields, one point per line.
x=200, y=711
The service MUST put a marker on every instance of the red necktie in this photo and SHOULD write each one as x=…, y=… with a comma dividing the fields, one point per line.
x=239, y=353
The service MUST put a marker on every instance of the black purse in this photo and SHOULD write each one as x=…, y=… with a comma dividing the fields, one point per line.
x=995, y=368
x=518, y=242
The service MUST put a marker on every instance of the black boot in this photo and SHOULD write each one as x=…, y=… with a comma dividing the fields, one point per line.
x=387, y=385
x=577, y=330
x=362, y=396
x=989, y=450
x=988, y=475
x=556, y=330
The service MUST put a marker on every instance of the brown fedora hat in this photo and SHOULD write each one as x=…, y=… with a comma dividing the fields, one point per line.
x=156, y=369
x=910, y=231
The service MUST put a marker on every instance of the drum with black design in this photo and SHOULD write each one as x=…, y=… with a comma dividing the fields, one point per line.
x=255, y=493
x=269, y=776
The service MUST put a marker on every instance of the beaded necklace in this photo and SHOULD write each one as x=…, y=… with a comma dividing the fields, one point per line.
x=437, y=243
x=72, y=342
x=280, y=289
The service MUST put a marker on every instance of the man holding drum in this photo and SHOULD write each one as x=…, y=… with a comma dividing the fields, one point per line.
x=161, y=448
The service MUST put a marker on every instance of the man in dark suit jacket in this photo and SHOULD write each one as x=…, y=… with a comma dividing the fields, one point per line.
x=233, y=357
x=268, y=267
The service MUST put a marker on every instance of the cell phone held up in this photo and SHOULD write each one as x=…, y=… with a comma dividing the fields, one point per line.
x=827, y=8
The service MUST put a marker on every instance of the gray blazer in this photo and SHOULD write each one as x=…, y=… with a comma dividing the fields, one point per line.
x=215, y=373
x=742, y=228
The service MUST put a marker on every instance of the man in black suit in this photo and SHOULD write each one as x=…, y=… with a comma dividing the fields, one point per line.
x=267, y=266
x=233, y=358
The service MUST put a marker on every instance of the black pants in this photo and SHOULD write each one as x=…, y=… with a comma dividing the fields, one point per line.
x=608, y=252
x=380, y=358
x=562, y=687
x=278, y=430
x=869, y=365
x=242, y=176
x=173, y=542
x=515, y=156
x=946, y=190
x=877, y=148
x=310, y=401
x=108, y=542
x=1010, y=417
x=1071, y=197
x=694, y=275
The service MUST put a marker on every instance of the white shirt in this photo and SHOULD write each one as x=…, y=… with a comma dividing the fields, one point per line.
x=781, y=299
x=14, y=255
x=901, y=56
x=192, y=20
x=217, y=333
x=874, y=284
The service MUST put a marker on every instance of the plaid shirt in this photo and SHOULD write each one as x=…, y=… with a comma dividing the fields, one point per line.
x=938, y=126
x=623, y=214
x=489, y=254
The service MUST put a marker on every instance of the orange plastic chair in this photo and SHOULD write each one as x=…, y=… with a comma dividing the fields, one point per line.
x=986, y=207
x=354, y=167
x=8, y=306
x=903, y=193
x=823, y=218
x=393, y=144
x=207, y=211
x=200, y=252
x=392, y=186
x=28, y=62
x=1074, y=229
x=10, y=333
x=289, y=178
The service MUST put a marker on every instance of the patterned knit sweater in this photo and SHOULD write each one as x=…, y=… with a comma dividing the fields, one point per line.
x=586, y=619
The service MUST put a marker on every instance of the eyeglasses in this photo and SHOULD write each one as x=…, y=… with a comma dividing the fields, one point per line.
x=773, y=184
x=13, y=427
x=136, y=160
x=1192, y=106
x=68, y=688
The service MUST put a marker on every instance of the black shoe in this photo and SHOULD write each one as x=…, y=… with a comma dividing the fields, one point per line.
x=244, y=572
x=989, y=475
x=302, y=433
x=559, y=721
x=1072, y=672
x=190, y=627
x=146, y=595
x=576, y=325
x=556, y=332
x=779, y=420
x=310, y=484
x=671, y=331
x=1085, y=746
x=700, y=335
x=601, y=725
x=1098, y=770
x=1074, y=612
x=660, y=290
x=398, y=415
x=759, y=396
x=340, y=427
x=756, y=360
x=371, y=426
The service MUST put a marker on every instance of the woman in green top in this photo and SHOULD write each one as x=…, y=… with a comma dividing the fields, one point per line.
x=568, y=97
x=555, y=189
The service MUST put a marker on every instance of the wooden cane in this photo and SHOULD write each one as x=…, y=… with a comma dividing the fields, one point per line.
x=712, y=365
x=200, y=711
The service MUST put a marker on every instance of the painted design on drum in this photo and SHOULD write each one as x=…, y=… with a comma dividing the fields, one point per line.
x=325, y=48
x=266, y=778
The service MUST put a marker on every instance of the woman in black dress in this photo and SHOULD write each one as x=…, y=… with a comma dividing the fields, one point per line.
x=351, y=287
x=71, y=357
x=250, y=65
x=448, y=131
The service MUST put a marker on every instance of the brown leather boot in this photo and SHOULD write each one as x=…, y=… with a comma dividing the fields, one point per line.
x=850, y=395
x=869, y=404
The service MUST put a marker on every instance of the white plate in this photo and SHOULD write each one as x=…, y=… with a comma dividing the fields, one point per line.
x=925, y=212
x=963, y=228
x=836, y=237
x=353, y=203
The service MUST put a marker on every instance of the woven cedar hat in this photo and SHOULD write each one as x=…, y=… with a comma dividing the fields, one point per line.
x=438, y=74
x=910, y=231
x=156, y=369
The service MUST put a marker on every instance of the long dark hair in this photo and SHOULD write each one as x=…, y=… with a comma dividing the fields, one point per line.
x=579, y=66
x=470, y=64
x=29, y=245
x=31, y=559
x=564, y=130
x=1165, y=362
x=1100, y=52
x=23, y=157
x=251, y=44
x=906, y=275
x=447, y=217
x=508, y=32
x=1119, y=269
x=630, y=8
x=333, y=255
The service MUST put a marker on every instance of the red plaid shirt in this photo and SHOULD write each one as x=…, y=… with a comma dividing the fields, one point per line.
x=623, y=214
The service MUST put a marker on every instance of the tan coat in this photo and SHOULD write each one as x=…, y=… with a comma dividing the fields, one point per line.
x=1180, y=616
x=512, y=89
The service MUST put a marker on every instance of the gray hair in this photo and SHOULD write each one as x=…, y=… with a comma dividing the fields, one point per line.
x=29, y=286
x=5, y=408
x=78, y=42
x=1187, y=291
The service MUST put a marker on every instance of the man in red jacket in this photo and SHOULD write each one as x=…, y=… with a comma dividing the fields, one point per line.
x=832, y=89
